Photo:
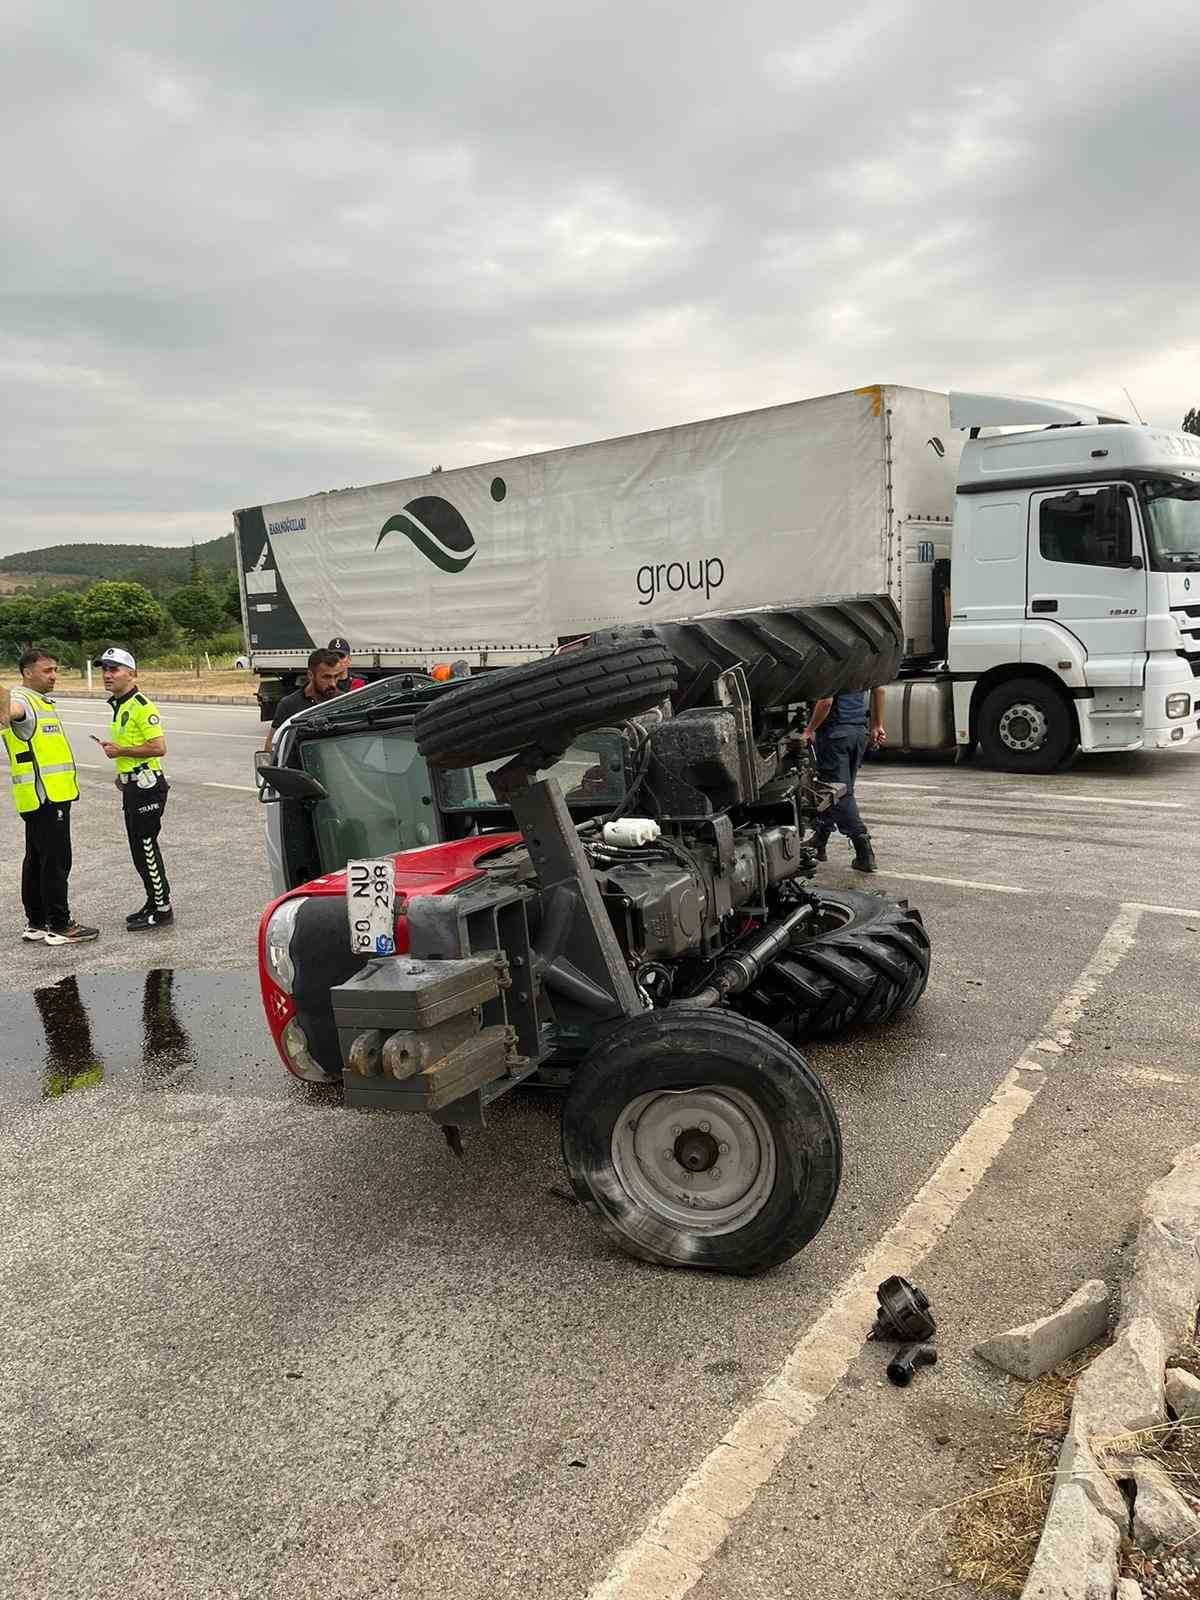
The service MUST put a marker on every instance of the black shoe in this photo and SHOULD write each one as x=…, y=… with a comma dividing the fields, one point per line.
x=140, y=912
x=150, y=919
x=818, y=843
x=864, y=855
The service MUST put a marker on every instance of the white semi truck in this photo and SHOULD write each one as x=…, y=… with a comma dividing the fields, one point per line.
x=1046, y=570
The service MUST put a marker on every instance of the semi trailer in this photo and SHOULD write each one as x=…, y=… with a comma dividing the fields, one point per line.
x=1044, y=559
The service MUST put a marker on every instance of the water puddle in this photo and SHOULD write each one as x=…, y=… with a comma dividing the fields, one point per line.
x=159, y=1031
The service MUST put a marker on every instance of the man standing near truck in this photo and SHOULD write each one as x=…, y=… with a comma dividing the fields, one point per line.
x=838, y=731
x=322, y=681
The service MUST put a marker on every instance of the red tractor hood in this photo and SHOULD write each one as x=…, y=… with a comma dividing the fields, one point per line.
x=435, y=869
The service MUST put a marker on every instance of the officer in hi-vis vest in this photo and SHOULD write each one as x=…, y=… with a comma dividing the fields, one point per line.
x=44, y=788
x=136, y=744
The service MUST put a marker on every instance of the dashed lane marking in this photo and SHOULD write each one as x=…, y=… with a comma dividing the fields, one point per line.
x=668, y=1558
x=954, y=883
x=1044, y=796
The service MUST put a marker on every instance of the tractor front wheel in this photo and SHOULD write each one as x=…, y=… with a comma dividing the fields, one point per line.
x=699, y=1138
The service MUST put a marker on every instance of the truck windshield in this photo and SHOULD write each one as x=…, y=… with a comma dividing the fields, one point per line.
x=1173, y=516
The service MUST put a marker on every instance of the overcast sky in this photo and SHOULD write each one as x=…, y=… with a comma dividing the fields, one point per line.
x=251, y=252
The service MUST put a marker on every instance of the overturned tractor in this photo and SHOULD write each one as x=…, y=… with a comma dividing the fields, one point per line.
x=663, y=957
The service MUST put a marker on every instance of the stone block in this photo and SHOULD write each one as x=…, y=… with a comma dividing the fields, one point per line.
x=1077, y=1554
x=1122, y=1391
x=1162, y=1518
x=1165, y=1282
x=1038, y=1347
x=1183, y=1394
x=1078, y=1465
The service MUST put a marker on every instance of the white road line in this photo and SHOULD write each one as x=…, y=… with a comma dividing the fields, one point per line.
x=1046, y=797
x=954, y=883
x=668, y=1559
x=1165, y=911
x=172, y=731
x=242, y=788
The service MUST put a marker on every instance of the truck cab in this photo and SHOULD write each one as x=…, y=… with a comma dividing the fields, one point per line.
x=1075, y=615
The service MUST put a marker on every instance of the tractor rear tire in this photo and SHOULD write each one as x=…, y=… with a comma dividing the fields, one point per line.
x=697, y=1138
x=546, y=703
x=870, y=963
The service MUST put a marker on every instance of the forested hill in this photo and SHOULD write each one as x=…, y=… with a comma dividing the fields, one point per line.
x=156, y=567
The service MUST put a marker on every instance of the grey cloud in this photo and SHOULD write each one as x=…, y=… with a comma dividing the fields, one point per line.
x=252, y=252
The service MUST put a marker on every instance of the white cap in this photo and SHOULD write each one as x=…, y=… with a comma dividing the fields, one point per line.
x=112, y=657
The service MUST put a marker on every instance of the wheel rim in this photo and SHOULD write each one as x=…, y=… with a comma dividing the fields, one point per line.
x=700, y=1159
x=1023, y=727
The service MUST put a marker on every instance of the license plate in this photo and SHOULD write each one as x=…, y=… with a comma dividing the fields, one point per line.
x=370, y=904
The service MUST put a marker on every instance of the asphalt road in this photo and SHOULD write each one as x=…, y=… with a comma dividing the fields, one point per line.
x=257, y=1345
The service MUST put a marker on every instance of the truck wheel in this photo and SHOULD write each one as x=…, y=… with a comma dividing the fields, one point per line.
x=1025, y=726
x=546, y=702
x=700, y=1139
x=868, y=962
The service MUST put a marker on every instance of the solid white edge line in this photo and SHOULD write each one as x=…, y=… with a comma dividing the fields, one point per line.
x=242, y=788
x=1164, y=911
x=669, y=1557
x=954, y=883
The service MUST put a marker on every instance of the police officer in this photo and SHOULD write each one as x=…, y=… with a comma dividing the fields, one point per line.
x=137, y=745
x=838, y=732
x=44, y=788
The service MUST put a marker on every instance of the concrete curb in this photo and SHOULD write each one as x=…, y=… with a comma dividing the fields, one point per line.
x=1100, y=1472
x=165, y=700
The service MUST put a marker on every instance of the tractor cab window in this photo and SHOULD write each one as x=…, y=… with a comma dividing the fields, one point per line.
x=380, y=796
x=591, y=773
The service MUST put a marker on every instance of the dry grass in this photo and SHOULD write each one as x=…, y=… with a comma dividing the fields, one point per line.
x=162, y=685
x=993, y=1534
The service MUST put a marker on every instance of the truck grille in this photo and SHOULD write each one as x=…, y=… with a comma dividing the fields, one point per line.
x=1188, y=618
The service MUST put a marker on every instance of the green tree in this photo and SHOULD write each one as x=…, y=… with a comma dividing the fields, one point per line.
x=1191, y=423
x=231, y=598
x=18, y=625
x=123, y=613
x=198, y=612
x=57, y=615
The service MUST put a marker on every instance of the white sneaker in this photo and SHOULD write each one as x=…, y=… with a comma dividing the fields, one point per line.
x=75, y=934
x=34, y=935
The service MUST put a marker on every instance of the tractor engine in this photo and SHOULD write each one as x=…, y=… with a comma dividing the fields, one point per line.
x=718, y=827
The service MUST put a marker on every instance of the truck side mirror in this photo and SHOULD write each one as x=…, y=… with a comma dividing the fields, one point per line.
x=1115, y=527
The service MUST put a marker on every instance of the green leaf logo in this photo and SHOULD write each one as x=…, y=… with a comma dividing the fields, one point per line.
x=437, y=529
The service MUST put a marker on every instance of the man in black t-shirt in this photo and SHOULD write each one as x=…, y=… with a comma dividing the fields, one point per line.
x=322, y=682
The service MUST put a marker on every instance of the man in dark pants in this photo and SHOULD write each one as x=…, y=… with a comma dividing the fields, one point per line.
x=838, y=731
x=44, y=788
x=137, y=744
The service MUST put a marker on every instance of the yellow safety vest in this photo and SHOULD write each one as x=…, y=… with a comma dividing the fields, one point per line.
x=135, y=722
x=42, y=767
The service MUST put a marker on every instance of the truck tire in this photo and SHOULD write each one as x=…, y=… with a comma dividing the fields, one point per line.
x=701, y=1139
x=870, y=962
x=1026, y=725
x=546, y=702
